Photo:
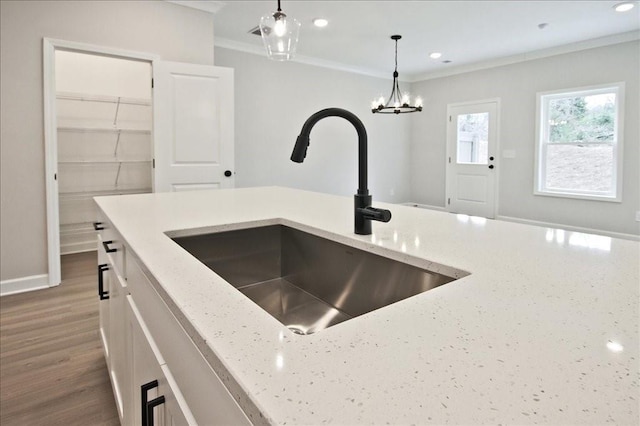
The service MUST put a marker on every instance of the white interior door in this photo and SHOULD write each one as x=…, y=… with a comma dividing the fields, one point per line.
x=472, y=143
x=193, y=126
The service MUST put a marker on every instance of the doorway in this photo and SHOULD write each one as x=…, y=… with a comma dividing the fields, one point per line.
x=104, y=123
x=86, y=147
x=472, y=146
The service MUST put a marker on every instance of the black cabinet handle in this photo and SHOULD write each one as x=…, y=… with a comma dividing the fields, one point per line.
x=148, y=406
x=97, y=227
x=103, y=294
x=144, y=390
x=491, y=166
x=108, y=249
x=228, y=173
x=491, y=158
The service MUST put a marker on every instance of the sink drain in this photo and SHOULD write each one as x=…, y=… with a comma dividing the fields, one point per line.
x=298, y=330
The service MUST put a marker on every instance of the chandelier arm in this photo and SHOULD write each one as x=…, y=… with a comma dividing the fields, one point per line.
x=392, y=96
x=398, y=92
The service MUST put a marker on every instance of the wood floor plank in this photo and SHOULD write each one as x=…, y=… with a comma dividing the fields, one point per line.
x=52, y=368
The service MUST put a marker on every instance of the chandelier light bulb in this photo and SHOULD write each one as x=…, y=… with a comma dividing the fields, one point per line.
x=418, y=102
x=405, y=99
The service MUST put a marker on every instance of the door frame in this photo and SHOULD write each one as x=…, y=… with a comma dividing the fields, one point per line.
x=49, y=47
x=449, y=152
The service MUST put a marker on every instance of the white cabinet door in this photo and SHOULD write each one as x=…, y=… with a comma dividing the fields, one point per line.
x=157, y=399
x=192, y=126
x=118, y=359
x=103, y=297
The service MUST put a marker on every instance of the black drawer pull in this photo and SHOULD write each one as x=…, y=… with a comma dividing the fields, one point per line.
x=103, y=294
x=144, y=390
x=97, y=227
x=108, y=249
x=150, y=406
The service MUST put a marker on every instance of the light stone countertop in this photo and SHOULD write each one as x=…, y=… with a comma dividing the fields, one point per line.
x=528, y=337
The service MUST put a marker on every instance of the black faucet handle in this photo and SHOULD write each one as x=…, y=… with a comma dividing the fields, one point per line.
x=372, y=213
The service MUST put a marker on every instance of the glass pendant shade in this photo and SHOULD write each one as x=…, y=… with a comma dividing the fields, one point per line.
x=279, y=35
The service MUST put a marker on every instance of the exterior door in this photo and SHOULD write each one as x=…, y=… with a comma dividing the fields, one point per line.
x=472, y=143
x=193, y=126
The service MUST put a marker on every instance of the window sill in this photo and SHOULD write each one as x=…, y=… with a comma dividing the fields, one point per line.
x=609, y=199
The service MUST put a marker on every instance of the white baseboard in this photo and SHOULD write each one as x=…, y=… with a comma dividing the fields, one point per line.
x=21, y=285
x=570, y=228
x=425, y=206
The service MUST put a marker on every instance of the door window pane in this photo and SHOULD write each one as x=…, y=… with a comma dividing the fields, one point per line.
x=473, y=138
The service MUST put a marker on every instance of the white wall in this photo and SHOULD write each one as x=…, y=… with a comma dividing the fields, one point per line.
x=171, y=31
x=273, y=100
x=516, y=85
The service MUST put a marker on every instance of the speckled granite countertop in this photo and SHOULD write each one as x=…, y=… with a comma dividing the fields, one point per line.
x=544, y=330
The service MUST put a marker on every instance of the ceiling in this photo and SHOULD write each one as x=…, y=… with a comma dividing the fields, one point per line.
x=467, y=33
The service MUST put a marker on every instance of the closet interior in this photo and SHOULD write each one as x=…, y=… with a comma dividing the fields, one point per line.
x=104, y=139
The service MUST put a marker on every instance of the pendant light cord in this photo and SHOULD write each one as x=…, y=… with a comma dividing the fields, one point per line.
x=280, y=10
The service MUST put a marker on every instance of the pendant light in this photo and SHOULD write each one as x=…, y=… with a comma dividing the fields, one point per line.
x=397, y=103
x=279, y=35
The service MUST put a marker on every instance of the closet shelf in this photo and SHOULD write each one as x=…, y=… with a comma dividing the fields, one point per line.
x=68, y=96
x=102, y=130
x=101, y=193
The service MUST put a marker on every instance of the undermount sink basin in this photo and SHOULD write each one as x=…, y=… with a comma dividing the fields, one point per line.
x=306, y=282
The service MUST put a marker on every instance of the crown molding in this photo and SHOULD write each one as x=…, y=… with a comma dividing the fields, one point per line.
x=455, y=70
x=529, y=56
x=307, y=60
x=207, y=6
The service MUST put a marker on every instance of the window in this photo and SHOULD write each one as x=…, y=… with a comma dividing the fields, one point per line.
x=579, y=153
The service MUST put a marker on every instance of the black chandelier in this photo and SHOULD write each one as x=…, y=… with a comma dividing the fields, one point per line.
x=397, y=103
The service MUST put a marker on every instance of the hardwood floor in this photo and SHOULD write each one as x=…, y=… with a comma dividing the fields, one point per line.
x=52, y=368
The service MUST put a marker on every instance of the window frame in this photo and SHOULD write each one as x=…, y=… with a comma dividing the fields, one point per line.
x=542, y=122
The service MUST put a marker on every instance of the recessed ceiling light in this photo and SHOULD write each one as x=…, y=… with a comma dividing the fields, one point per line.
x=623, y=7
x=435, y=55
x=320, y=22
x=543, y=25
x=446, y=61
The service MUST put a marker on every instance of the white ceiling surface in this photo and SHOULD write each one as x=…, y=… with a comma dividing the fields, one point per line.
x=466, y=32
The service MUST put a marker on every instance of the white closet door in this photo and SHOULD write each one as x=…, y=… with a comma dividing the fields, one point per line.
x=193, y=126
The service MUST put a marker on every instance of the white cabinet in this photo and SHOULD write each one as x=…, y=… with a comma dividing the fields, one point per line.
x=160, y=400
x=112, y=292
x=152, y=360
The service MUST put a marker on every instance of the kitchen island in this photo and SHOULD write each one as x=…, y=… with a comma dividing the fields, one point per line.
x=544, y=329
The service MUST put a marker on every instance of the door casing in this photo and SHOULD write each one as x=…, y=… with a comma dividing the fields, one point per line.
x=451, y=151
x=50, y=46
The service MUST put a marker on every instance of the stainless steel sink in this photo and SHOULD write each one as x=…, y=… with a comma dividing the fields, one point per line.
x=306, y=282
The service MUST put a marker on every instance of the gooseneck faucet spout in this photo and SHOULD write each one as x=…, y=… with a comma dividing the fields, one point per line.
x=364, y=213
